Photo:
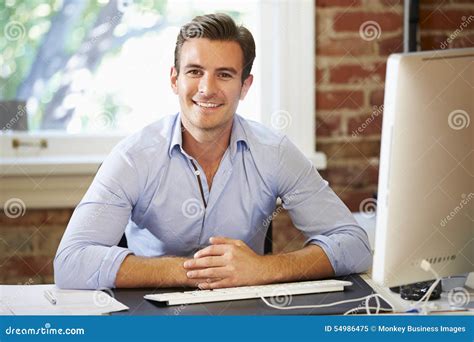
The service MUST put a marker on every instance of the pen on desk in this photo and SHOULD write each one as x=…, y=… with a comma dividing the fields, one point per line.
x=50, y=297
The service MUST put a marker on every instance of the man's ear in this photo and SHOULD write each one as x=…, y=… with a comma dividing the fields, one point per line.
x=174, y=79
x=246, y=86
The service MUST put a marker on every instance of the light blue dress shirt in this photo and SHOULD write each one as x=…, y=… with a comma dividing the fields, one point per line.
x=150, y=188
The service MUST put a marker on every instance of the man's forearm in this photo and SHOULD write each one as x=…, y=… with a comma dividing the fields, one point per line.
x=308, y=263
x=153, y=272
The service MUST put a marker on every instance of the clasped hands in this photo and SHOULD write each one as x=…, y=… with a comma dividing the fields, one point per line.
x=225, y=263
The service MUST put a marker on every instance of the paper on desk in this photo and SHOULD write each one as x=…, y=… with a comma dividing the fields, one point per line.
x=30, y=300
x=4, y=310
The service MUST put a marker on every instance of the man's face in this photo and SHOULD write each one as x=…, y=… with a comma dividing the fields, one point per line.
x=209, y=83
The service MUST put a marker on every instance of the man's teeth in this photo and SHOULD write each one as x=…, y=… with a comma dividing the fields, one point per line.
x=207, y=105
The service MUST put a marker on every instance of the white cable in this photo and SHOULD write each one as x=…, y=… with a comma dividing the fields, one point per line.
x=426, y=266
x=367, y=304
x=327, y=305
x=370, y=307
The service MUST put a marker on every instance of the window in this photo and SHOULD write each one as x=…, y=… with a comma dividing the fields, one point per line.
x=91, y=72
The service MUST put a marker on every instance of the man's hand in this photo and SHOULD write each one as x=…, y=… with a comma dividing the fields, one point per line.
x=226, y=263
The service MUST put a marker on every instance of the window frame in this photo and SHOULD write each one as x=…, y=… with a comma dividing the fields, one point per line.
x=294, y=23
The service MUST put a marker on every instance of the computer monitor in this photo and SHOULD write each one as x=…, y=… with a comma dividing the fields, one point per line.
x=425, y=202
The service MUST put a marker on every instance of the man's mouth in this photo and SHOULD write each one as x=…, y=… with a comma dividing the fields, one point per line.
x=207, y=105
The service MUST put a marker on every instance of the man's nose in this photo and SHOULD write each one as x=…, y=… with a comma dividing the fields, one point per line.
x=207, y=85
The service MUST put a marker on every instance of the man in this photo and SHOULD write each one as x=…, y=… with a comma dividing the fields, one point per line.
x=194, y=191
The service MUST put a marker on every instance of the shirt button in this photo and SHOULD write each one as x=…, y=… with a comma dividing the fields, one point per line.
x=197, y=172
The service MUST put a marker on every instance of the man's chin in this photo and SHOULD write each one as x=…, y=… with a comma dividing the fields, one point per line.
x=208, y=120
x=206, y=126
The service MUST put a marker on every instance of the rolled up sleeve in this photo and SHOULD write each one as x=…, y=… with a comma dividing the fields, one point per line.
x=319, y=213
x=87, y=257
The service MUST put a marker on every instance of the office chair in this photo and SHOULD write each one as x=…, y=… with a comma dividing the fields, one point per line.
x=267, y=246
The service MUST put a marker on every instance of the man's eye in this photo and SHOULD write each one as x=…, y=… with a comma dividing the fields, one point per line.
x=225, y=75
x=194, y=72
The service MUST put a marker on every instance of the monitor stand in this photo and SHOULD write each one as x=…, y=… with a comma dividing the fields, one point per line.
x=417, y=290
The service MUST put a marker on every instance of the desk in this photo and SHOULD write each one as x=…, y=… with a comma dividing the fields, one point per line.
x=401, y=305
x=133, y=298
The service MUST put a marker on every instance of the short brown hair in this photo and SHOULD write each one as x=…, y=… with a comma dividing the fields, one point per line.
x=218, y=26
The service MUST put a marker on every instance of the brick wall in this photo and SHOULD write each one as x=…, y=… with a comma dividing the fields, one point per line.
x=28, y=244
x=353, y=41
x=350, y=76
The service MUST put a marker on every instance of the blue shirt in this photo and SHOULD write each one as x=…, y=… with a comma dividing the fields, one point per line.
x=149, y=188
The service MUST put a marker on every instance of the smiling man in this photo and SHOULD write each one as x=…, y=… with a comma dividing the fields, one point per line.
x=193, y=192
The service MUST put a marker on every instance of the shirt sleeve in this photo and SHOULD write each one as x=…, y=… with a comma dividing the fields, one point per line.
x=319, y=213
x=87, y=257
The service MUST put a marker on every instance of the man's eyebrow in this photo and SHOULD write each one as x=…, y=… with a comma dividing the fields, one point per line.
x=197, y=66
x=228, y=69
x=193, y=66
x=189, y=66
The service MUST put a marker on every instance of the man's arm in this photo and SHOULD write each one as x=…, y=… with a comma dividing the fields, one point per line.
x=88, y=256
x=154, y=272
x=228, y=263
x=319, y=213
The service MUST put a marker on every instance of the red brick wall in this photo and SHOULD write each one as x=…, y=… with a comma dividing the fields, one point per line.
x=28, y=244
x=350, y=76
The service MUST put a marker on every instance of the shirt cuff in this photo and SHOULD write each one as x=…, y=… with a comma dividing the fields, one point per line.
x=110, y=266
x=326, y=244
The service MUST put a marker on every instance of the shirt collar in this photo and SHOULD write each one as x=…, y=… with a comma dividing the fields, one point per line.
x=176, y=135
x=237, y=135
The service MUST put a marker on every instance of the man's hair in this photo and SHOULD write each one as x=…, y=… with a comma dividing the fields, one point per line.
x=218, y=26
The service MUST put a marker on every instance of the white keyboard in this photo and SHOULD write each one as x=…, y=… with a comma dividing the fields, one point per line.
x=246, y=292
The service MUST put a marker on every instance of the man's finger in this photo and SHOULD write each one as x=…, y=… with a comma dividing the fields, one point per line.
x=221, y=240
x=212, y=272
x=204, y=262
x=215, y=285
x=211, y=250
x=195, y=282
x=199, y=282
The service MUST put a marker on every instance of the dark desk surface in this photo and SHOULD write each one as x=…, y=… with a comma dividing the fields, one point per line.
x=133, y=298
